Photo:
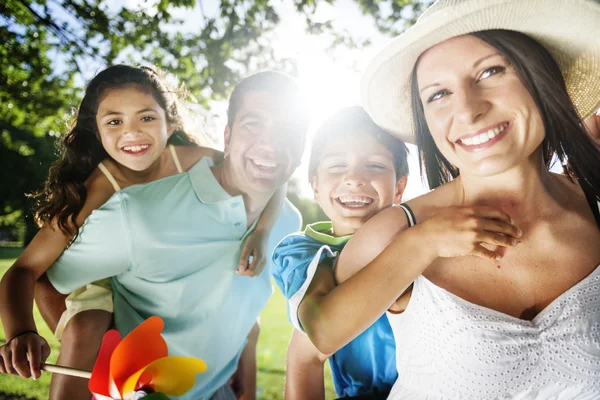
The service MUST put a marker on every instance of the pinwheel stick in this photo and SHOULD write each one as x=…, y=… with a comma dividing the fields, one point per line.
x=58, y=369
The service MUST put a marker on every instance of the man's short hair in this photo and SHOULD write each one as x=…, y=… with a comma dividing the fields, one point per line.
x=355, y=120
x=275, y=82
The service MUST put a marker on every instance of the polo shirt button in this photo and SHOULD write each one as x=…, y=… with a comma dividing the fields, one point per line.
x=238, y=223
x=234, y=205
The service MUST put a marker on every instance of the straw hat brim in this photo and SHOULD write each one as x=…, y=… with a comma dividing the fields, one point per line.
x=569, y=29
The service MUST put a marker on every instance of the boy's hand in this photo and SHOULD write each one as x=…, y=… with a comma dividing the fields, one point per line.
x=24, y=355
x=462, y=231
x=254, y=254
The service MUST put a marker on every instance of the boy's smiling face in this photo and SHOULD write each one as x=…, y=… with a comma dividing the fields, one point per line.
x=355, y=179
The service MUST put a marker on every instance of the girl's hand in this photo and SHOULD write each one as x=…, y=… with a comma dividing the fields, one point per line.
x=463, y=231
x=23, y=355
x=254, y=254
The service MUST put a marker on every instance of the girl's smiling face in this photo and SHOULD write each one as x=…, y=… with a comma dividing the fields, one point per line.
x=132, y=127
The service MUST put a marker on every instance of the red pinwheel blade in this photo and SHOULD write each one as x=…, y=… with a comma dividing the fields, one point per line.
x=138, y=349
x=98, y=383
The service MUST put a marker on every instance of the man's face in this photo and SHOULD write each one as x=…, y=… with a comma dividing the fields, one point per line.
x=264, y=144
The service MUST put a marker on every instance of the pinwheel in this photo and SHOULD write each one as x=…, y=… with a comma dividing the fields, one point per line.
x=137, y=366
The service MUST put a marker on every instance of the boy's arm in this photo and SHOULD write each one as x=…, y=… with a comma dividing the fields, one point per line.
x=304, y=370
x=256, y=243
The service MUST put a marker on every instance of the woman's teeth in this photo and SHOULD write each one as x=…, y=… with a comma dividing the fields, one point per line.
x=136, y=148
x=484, y=137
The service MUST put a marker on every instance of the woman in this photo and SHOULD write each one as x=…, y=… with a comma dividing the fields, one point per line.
x=494, y=293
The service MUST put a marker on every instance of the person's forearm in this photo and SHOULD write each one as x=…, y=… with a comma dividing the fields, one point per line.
x=334, y=319
x=271, y=212
x=304, y=370
x=16, y=301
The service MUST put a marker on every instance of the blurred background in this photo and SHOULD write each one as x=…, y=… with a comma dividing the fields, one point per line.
x=50, y=49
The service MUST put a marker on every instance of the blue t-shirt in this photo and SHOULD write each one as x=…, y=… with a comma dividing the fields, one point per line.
x=366, y=365
x=171, y=248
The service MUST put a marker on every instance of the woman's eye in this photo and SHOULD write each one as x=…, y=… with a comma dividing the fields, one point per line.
x=114, y=122
x=148, y=118
x=491, y=71
x=438, y=95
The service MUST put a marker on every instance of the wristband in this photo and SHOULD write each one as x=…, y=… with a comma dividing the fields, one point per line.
x=21, y=334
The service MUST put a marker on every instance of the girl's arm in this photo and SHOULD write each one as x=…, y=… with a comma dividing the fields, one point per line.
x=304, y=369
x=256, y=243
x=388, y=258
x=17, y=290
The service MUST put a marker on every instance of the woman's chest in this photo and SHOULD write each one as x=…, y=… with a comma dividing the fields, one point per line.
x=528, y=278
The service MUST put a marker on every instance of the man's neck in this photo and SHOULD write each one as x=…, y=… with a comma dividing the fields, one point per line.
x=254, y=203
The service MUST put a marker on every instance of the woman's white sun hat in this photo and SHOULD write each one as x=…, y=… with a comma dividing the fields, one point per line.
x=569, y=29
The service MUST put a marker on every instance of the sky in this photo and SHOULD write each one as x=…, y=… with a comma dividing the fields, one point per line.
x=330, y=83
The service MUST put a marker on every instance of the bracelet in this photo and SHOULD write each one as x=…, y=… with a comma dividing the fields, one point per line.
x=21, y=334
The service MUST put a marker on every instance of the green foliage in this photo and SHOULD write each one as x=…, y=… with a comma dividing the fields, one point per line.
x=48, y=46
x=310, y=210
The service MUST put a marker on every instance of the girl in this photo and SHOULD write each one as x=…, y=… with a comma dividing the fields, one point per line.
x=128, y=131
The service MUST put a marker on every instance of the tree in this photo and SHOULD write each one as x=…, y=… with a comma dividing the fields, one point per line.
x=35, y=99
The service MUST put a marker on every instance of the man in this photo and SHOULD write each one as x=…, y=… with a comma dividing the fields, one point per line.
x=175, y=243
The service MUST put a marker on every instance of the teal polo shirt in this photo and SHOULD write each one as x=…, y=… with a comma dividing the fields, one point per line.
x=171, y=248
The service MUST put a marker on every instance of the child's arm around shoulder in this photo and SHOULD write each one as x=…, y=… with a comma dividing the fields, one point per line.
x=190, y=155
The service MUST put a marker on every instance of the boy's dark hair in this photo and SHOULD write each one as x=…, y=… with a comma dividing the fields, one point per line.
x=274, y=82
x=352, y=120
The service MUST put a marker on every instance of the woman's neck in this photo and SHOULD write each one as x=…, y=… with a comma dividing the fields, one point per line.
x=527, y=192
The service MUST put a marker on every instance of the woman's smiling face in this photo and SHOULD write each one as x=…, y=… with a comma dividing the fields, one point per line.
x=480, y=115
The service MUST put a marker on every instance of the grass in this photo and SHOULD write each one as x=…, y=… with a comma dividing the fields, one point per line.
x=272, y=346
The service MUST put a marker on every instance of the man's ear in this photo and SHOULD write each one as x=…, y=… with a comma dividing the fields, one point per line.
x=226, y=140
x=399, y=190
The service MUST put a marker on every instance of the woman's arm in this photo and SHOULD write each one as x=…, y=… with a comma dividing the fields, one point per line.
x=304, y=369
x=388, y=258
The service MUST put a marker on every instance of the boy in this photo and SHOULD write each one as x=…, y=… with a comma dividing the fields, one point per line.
x=356, y=170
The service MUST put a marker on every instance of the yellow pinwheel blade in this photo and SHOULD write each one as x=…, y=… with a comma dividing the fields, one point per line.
x=172, y=376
